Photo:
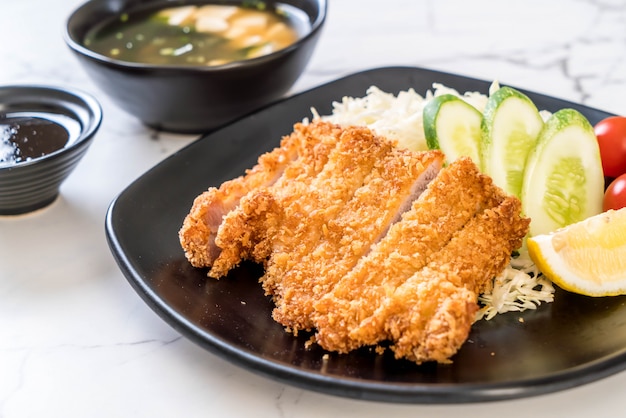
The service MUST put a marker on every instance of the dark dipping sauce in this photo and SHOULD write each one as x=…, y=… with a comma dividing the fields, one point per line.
x=28, y=135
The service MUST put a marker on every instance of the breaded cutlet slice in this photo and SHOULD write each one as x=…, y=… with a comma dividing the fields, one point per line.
x=199, y=229
x=389, y=189
x=197, y=234
x=429, y=316
x=306, y=214
x=242, y=229
x=457, y=193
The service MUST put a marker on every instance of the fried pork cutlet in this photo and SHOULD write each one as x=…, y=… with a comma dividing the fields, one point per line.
x=307, y=218
x=299, y=154
x=391, y=184
x=457, y=193
x=428, y=317
x=247, y=231
x=359, y=242
x=286, y=217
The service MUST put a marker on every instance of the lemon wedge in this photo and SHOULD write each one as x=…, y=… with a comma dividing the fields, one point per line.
x=587, y=257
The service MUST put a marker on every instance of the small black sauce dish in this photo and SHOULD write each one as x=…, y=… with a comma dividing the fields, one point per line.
x=44, y=132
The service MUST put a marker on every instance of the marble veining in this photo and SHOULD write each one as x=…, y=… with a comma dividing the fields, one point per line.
x=76, y=340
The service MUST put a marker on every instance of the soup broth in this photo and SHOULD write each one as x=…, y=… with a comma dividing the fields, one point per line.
x=205, y=35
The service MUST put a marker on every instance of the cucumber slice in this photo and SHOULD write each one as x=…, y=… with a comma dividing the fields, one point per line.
x=511, y=124
x=563, y=183
x=453, y=126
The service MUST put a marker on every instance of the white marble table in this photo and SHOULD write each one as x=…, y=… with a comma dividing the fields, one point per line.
x=77, y=341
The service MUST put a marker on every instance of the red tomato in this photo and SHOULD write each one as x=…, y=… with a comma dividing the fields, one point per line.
x=615, y=195
x=611, y=133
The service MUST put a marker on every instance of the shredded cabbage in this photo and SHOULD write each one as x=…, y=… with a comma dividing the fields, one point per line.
x=519, y=287
x=398, y=118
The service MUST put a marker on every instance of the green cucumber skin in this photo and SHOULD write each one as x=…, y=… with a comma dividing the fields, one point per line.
x=560, y=120
x=429, y=116
x=499, y=96
x=531, y=202
x=495, y=101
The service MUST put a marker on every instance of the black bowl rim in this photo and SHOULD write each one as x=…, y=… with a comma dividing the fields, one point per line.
x=81, y=98
x=76, y=46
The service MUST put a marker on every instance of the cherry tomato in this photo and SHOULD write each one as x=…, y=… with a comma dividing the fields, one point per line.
x=615, y=195
x=611, y=133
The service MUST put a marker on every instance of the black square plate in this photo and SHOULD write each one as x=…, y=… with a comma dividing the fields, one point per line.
x=572, y=341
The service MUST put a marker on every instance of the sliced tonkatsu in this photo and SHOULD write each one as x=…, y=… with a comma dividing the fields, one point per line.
x=362, y=242
x=457, y=193
x=395, y=180
x=306, y=148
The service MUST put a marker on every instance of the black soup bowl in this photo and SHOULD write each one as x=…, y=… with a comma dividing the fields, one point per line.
x=192, y=98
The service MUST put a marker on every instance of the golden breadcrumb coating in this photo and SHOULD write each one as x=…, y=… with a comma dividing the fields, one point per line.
x=457, y=193
x=387, y=191
x=199, y=228
x=304, y=149
x=429, y=316
x=362, y=242
x=281, y=208
x=307, y=217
